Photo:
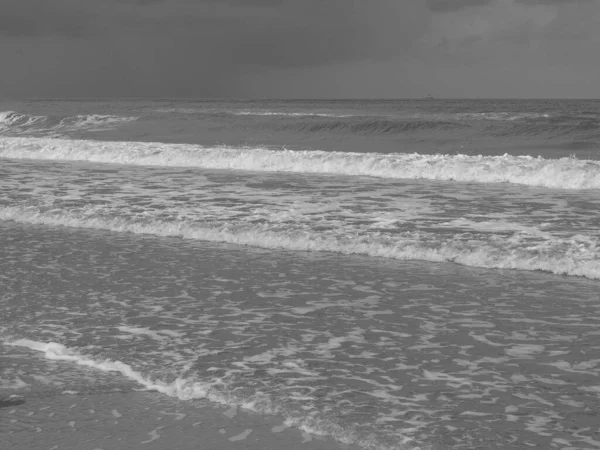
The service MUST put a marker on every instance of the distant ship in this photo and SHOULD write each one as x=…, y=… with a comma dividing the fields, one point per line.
x=429, y=97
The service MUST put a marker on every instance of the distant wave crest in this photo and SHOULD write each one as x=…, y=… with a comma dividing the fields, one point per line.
x=374, y=126
x=559, y=126
x=501, y=116
x=564, y=173
x=248, y=112
x=466, y=124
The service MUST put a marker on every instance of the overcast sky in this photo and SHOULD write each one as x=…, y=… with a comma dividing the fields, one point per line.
x=299, y=48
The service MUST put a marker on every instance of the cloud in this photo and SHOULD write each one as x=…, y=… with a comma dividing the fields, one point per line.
x=182, y=47
x=552, y=2
x=511, y=48
x=313, y=32
x=226, y=47
x=499, y=19
x=274, y=32
x=454, y=5
x=40, y=18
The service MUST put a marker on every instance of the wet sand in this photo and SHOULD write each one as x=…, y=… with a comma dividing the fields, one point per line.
x=142, y=420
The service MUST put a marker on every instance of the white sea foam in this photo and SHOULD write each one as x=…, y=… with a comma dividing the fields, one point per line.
x=12, y=383
x=158, y=335
x=95, y=121
x=10, y=119
x=189, y=388
x=495, y=226
x=181, y=388
x=577, y=256
x=501, y=116
x=564, y=173
x=288, y=114
x=257, y=112
x=13, y=122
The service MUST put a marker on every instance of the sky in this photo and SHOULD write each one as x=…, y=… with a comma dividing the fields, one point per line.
x=300, y=48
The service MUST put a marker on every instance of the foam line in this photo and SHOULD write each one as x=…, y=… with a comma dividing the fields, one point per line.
x=564, y=173
x=575, y=256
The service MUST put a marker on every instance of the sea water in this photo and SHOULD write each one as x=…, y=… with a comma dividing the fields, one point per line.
x=395, y=274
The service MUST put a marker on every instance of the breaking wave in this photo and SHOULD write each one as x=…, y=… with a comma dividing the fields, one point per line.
x=241, y=112
x=288, y=114
x=564, y=173
x=15, y=123
x=576, y=256
x=501, y=116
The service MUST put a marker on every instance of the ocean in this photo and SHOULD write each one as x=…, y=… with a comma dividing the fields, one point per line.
x=391, y=274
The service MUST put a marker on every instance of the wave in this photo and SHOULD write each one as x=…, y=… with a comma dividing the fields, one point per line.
x=258, y=112
x=564, y=173
x=497, y=225
x=500, y=116
x=288, y=114
x=190, y=388
x=498, y=123
x=15, y=123
x=575, y=256
x=11, y=118
x=467, y=125
x=558, y=126
x=374, y=126
x=506, y=124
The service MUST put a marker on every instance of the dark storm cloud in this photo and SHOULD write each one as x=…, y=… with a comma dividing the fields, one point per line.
x=553, y=2
x=213, y=48
x=312, y=32
x=273, y=32
x=454, y=5
x=182, y=47
x=40, y=18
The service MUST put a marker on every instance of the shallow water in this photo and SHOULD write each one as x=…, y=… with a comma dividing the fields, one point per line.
x=372, y=351
x=479, y=225
x=391, y=274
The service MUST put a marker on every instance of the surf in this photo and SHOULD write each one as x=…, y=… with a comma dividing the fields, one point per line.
x=575, y=256
x=14, y=123
x=563, y=173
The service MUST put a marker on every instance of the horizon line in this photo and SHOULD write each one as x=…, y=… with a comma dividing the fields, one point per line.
x=426, y=98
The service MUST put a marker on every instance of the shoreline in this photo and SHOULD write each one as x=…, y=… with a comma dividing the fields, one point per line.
x=148, y=420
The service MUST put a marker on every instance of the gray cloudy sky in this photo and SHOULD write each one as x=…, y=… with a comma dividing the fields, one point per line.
x=299, y=48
